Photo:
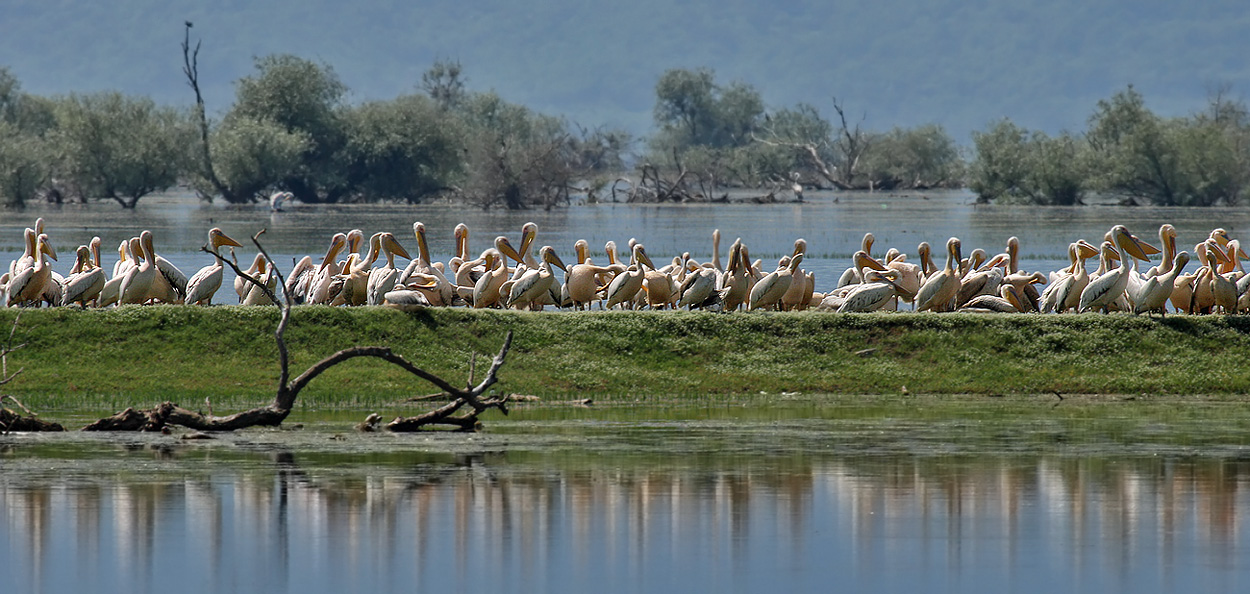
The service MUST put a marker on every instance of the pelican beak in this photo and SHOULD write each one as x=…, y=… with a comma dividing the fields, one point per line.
x=1085, y=249
x=554, y=258
x=48, y=249
x=223, y=239
x=1138, y=248
x=393, y=245
x=1213, y=248
x=506, y=248
x=642, y=255
x=868, y=261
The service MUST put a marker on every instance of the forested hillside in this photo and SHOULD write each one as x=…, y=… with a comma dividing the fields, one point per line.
x=957, y=63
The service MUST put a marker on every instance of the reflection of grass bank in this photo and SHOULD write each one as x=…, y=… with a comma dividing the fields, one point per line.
x=138, y=356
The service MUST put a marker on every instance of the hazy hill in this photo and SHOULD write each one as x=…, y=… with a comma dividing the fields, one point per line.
x=960, y=63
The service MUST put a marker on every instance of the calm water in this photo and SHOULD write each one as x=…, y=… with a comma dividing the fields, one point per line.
x=593, y=505
x=833, y=229
x=799, y=501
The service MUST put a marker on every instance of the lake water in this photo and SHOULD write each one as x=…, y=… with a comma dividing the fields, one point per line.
x=586, y=503
x=832, y=223
x=626, y=501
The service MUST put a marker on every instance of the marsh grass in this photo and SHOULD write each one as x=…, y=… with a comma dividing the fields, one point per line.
x=138, y=356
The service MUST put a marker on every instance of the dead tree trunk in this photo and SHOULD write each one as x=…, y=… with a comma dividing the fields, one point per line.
x=274, y=413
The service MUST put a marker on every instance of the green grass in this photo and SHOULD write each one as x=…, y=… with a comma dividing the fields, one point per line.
x=106, y=360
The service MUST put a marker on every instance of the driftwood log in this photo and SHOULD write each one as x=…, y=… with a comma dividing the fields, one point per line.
x=274, y=413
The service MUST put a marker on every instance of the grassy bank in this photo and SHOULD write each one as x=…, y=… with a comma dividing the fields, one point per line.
x=138, y=356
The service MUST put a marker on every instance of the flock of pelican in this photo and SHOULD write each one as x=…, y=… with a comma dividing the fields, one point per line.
x=360, y=271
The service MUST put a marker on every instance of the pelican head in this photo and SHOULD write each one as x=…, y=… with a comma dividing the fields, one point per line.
x=337, y=243
x=505, y=248
x=217, y=238
x=355, y=237
x=461, y=233
x=392, y=245
x=800, y=246
x=550, y=256
x=528, y=232
x=45, y=245
x=862, y=260
x=640, y=256
x=866, y=245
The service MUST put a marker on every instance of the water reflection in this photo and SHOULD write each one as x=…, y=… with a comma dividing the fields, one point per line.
x=271, y=520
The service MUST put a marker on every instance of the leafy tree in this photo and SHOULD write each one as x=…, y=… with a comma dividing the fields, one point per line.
x=303, y=98
x=251, y=156
x=1001, y=163
x=922, y=157
x=119, y=147
x=1132, y=151
x=691, y=109
x=404, y=149
x=24, y=165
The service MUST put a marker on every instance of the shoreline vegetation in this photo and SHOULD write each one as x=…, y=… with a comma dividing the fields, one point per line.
x=293, y=133
x=224, y=356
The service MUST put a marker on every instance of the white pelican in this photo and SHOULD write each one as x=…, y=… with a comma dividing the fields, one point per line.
x=876, y=290
x=1155, y=292
x=84, y=284
x=735, y=284
x=536, y=282
x=384, y=278
x=405, y=300
x=939, y=290
x=205, y=282
x=319, y=291
x=849, y=276
x=628, y=283
x=797, y=296
x=129, y=251
x=144, y=282
x=264, y=274
x=698, y=289
x=1109, y=287
x=353, y=283
x=300, y=280
x=28, y=283
x=582, y=279
x=444, y=290
x=486, y=289
x=769, y=290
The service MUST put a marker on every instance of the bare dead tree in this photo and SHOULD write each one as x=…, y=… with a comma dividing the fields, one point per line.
x=288, y=390
x=191, y=69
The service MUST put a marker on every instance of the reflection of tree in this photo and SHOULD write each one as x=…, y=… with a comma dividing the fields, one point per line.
x=266, y=515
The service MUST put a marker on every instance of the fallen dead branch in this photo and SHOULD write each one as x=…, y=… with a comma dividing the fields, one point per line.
x=288, y=390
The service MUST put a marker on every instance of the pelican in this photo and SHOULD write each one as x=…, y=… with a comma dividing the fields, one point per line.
x=297, y=285
x=797, y=296
x=877, y=289
x=28, y=283
x=83, y=285
x=849, y=275
x=486, y=290
x=716, y=251
x=1154, y=293
x=982, y=281
x=699, y=288
x=1167, y=238
x=769, y=290
x=444, y=291
x=735, y=284
x=145, y=282
x=1008, y=300
x=1109, y=287
x=265, y=274
x=353, y=283
x=204, y=283
x=833, y=300
x=319, y=290
x=939, y=290
x=277, y=198
x=405, y=300
x=111, y=292
x=1223, y=288
x=535, y=282
x=625, y=286
x=582, y=279
x=384, y=278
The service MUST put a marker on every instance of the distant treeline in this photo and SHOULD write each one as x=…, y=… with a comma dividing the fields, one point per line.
x=291, y=129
